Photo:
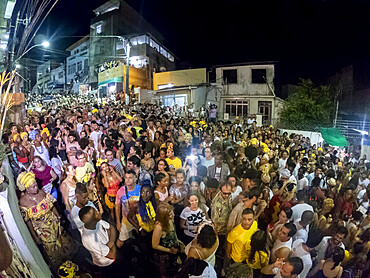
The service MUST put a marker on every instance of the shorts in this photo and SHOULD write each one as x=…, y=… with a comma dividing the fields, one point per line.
x=110, y=201
x=126, y=230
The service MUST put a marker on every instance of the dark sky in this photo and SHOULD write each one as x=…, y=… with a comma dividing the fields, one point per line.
x=308, y=38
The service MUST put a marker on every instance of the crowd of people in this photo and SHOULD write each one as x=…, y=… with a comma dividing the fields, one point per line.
x=152, y=193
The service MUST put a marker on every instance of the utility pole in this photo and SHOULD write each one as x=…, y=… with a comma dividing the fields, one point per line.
x=127, y=70
x=336, y=109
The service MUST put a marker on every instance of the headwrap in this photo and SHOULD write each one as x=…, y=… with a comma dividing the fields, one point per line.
x=25, y=179
x=94, y=111
x=46, y=131
x=100, y=162
x=23, y=134
x=15, y=136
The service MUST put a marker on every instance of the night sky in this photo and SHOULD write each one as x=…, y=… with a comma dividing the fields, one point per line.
x=308, y=38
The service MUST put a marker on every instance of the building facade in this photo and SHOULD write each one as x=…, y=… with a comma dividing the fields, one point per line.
x=77, y=78
x=57, y=82
x=181, y=88
x=240, y=90
x=247, y=89
x=44, y=79
x=115, y=27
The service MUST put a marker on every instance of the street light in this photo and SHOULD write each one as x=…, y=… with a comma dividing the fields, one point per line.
x=45, y=44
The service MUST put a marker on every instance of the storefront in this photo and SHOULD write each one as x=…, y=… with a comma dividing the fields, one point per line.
x=112, y=80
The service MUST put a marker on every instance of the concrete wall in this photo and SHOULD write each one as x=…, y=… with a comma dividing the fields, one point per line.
x=245, y=85
x=315, y=137
x=180, y=77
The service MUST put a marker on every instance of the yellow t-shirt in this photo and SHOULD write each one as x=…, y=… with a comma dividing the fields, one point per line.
x=261, y=260
x=176, y=163
x=240, y=240
x=81, y=171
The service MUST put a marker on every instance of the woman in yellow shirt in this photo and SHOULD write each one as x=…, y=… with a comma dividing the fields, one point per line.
x=258, y=256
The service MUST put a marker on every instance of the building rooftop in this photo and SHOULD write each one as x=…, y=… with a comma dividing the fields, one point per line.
x=107, y=7
x=78, y=43
x=255, y=63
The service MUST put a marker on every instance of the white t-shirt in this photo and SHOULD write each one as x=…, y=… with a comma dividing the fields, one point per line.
x=302, y=233
x=95, y=136
x=302, y=183
x=298, y=210
x=79, y=127
x=321, y=248
x=74, y=214
x=95, y=241
x=363, y=183
x=282, y=164
x=298, y=251
x=193, y=219
x=238, y=190
x=206, y=162
x=360, y=198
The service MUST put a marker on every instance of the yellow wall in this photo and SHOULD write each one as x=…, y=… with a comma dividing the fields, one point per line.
x=180, y=77
x=137, y=77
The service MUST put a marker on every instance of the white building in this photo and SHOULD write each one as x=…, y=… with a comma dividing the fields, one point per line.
x=43, y=84
x=244, y=89
x=78, y=65
x=57, y=82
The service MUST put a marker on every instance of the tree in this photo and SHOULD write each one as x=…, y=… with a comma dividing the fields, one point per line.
x=308, y=108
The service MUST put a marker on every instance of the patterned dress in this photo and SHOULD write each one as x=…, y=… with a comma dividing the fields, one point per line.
x=47, y=227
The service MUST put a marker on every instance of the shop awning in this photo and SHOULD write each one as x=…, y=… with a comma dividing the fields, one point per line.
x=333, y=137
x=116, y=79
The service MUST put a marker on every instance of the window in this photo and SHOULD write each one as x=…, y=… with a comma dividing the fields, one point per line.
x=86, y=63
x=79, y=66
x=99, y=29
x=236, y=108
x=60, y=75
x=154, y=45
x=171, y=58
x=101, y=49
x=141, y=40
x=264, y=108
x=230, y=76
x=73, y=68
x=259, y=76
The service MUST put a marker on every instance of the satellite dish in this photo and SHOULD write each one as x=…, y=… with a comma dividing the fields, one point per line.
x=162, y=69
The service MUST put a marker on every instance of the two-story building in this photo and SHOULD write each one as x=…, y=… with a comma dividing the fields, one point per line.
x=247, y=89
x=181, y=88
x=77, y=78
x=239, y=90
